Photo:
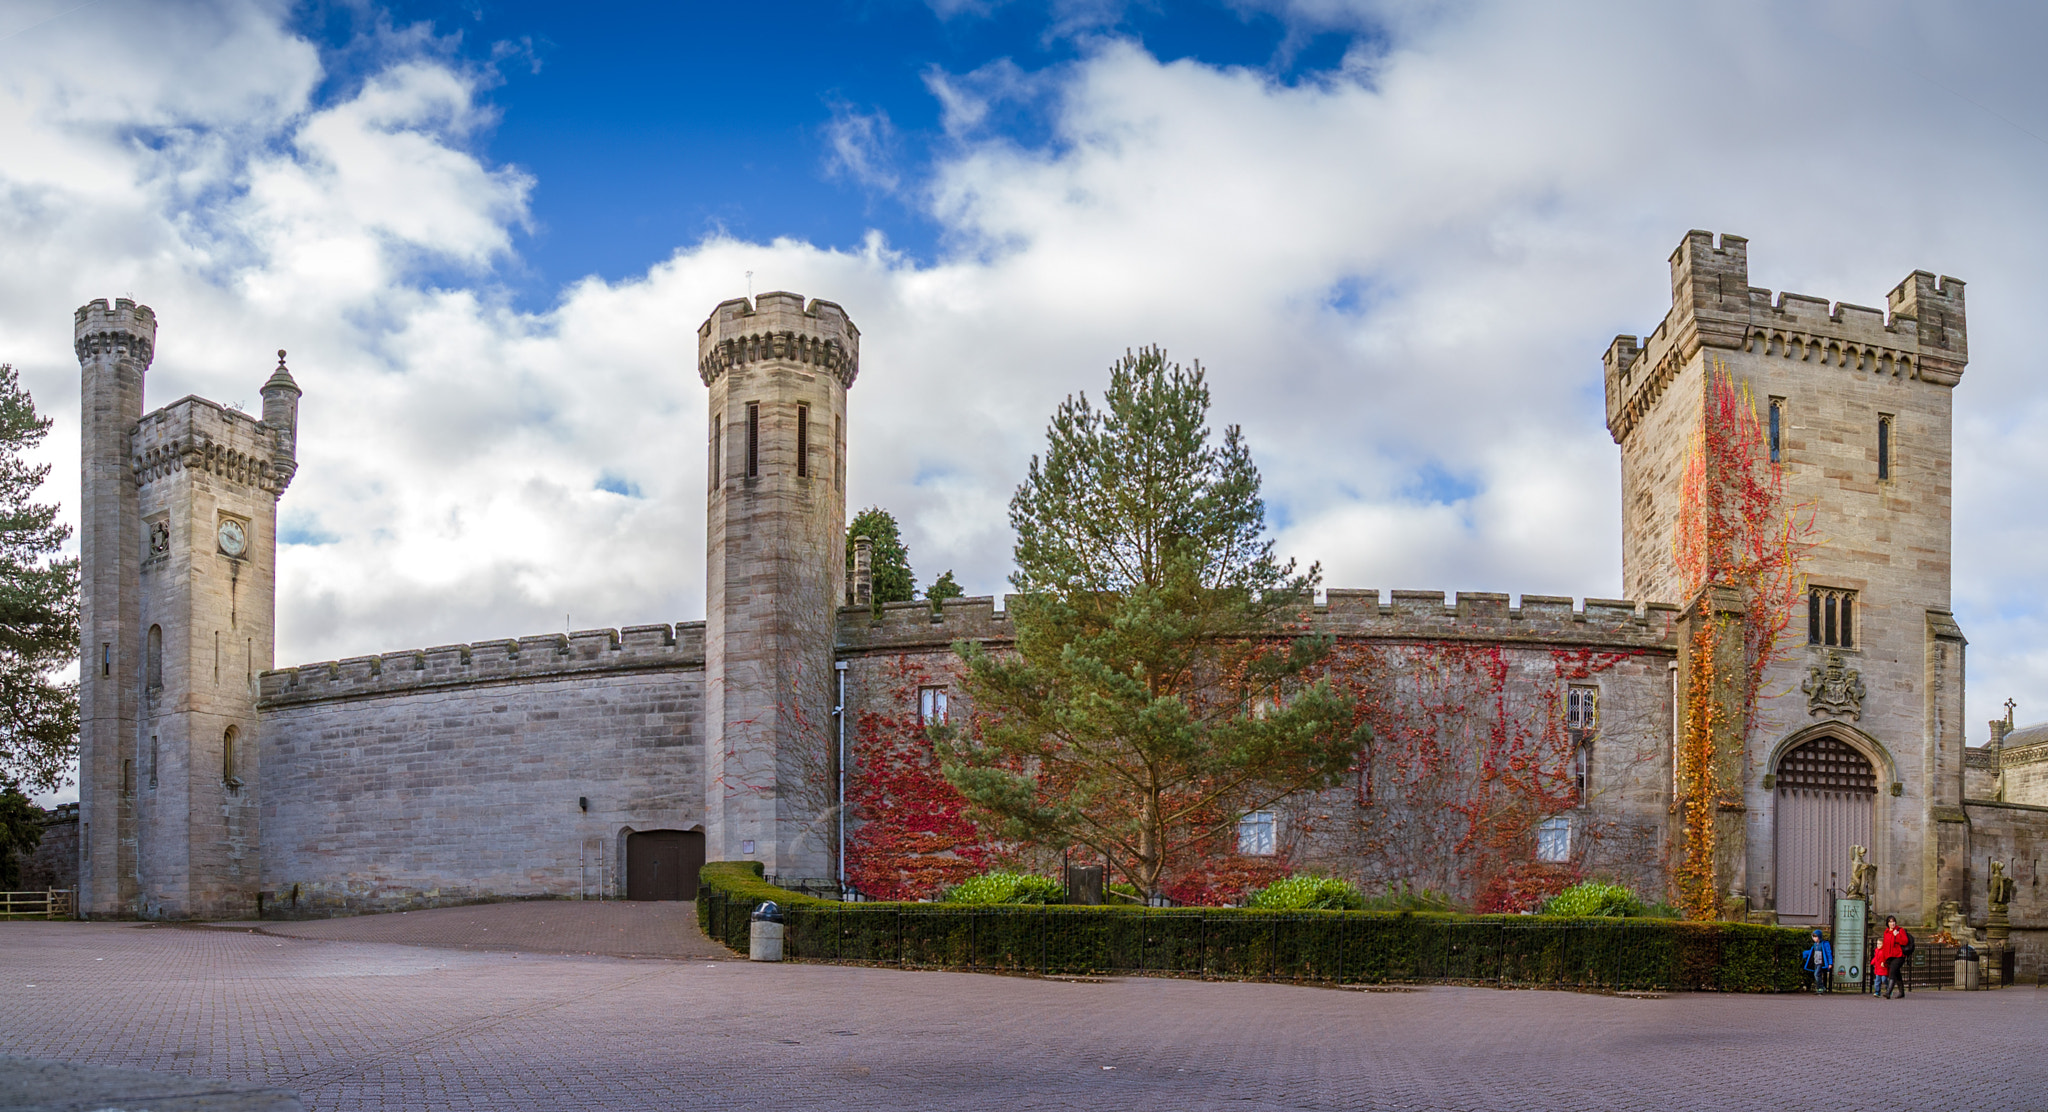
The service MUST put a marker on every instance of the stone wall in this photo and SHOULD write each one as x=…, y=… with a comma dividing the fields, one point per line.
x=461, y=772
x=2016, y=834
x=54, y=861
x=1410, y=655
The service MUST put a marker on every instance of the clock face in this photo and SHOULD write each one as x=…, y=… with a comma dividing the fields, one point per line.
x=234, y=540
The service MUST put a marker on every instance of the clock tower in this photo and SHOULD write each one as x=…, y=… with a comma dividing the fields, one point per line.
x=179, y=547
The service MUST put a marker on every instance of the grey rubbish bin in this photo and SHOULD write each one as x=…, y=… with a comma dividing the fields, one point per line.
x=764, y=933
x=1968, y=973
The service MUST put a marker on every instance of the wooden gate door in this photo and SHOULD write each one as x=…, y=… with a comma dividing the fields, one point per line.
x=1826, y=791
x=663, y=864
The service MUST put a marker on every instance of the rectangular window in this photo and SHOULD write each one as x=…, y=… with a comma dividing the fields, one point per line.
x=753, y=439
x=931, y=706
x=1554, y=839
x=1255, y=834
x=803, y=442
x=1884, y=448
x=1582, y=709
x=1777, y=427
x=1830, y=617
x=717, y=444
x=106, y=658
x=839, y=453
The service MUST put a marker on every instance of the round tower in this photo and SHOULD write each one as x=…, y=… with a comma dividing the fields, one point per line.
x=778, y=371
x=114, y=345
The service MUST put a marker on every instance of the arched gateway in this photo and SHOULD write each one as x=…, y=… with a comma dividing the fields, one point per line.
x=1826, y=790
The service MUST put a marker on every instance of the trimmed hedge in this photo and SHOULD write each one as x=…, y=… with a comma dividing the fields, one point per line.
x=1341, y=947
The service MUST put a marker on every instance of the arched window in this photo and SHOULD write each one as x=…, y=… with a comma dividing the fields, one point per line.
x=155, y=664
x=227, y=758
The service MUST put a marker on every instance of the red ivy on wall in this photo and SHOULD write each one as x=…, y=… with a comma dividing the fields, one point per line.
x=910, y=835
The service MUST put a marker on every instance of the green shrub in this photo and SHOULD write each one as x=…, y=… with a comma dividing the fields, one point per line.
x=1401, y=896
x=1339, y=947
x=1308, y=893
x=1594, y=899
x=998, y=887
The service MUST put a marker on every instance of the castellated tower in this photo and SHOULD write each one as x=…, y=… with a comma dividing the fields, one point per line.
x=179, y=551
x=778, y=371
x=1857, y=406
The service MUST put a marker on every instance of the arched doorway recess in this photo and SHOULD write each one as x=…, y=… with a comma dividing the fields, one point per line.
x=1826, y=792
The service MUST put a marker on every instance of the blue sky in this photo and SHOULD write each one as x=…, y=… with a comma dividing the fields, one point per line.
x=709, y=119
x=1398, y=233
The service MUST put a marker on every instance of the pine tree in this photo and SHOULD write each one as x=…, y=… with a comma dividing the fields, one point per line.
x=944, y=588
x=38, y=608
x=888, y=557
x=1155, y=694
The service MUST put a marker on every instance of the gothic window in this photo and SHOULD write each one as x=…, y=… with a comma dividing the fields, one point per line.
x=1777, y=427
x=1884, y=448
x=1554, y=839
x=155, y=664
x=1582, y=710
x=1255, y=834
x=931, y=706
x=753, y=439
x=227, y=758
x=803, y=442
x=1830, y=617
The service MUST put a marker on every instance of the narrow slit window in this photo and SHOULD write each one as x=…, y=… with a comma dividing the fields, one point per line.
x=106, y=658
x=839, y=453
x=227, y=757
x=152, y=760
x=803, y=442
x=717, y=443
x=127, y=777
x=1884, y=449
x=753, y=439
x=155, y=663
x=1777, y=428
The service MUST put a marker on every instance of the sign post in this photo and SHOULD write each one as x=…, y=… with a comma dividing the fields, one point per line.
x=1852, y=917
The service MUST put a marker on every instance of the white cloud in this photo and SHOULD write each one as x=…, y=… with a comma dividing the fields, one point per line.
x=1400, y=276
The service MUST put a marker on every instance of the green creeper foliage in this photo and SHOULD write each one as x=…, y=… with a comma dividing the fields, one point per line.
x=38, y=608
x=1402, y=896
x=998, y=887
x=888, y=559
x=21, y=828
x=1154, y=694
x=1595, y=899
x=1309, y=893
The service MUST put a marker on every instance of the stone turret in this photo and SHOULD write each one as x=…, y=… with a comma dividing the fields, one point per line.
x=115, y=345
x=778, y=371
x=281, y=417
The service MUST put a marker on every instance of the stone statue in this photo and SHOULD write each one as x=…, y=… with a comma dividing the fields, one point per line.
x=1861, y=873
x=2001, y=887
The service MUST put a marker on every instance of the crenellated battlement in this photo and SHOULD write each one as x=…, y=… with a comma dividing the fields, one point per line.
x=1404, y=615
x=778, y=326
x=513, y=660
x=123, y=329
x=194, y=434
x=1921, y=337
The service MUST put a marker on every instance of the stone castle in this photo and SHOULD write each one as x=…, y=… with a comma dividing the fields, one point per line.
x=612, y=762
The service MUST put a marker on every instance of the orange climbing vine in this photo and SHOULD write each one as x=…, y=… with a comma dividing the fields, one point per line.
x=1735, y=529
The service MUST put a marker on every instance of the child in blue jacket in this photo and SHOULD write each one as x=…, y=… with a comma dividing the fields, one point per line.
x=1818, y=960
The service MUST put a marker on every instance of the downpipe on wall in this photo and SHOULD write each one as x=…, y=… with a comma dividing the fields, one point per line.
x=839, y=723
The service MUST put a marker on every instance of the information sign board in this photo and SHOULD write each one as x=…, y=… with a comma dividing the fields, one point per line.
x=1851, y=917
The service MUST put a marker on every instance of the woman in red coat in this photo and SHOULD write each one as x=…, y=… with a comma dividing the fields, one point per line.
x=1890, y=948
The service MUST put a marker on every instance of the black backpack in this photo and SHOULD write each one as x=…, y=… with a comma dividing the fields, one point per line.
x=1907, y=949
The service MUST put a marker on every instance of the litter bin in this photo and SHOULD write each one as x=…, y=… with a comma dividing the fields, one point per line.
x=1968, y=973
x=764, y=933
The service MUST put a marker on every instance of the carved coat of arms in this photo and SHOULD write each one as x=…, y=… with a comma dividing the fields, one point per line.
x=1833, y=688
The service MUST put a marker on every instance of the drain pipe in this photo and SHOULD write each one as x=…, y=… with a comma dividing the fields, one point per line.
x=839, y=720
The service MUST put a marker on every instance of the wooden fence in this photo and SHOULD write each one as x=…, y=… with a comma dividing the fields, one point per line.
x=54, y=903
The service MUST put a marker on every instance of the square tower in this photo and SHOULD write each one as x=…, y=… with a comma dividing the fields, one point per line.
x=1857, y=404
x=179, y=588
x=775, y=572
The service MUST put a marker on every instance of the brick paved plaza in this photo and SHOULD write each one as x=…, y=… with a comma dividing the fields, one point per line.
x=354, y=1024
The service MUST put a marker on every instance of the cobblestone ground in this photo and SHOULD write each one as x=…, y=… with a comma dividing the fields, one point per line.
x=352, y=1025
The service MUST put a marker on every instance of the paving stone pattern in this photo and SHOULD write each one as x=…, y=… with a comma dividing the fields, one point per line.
x=625, y=929
x=352, y=1025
